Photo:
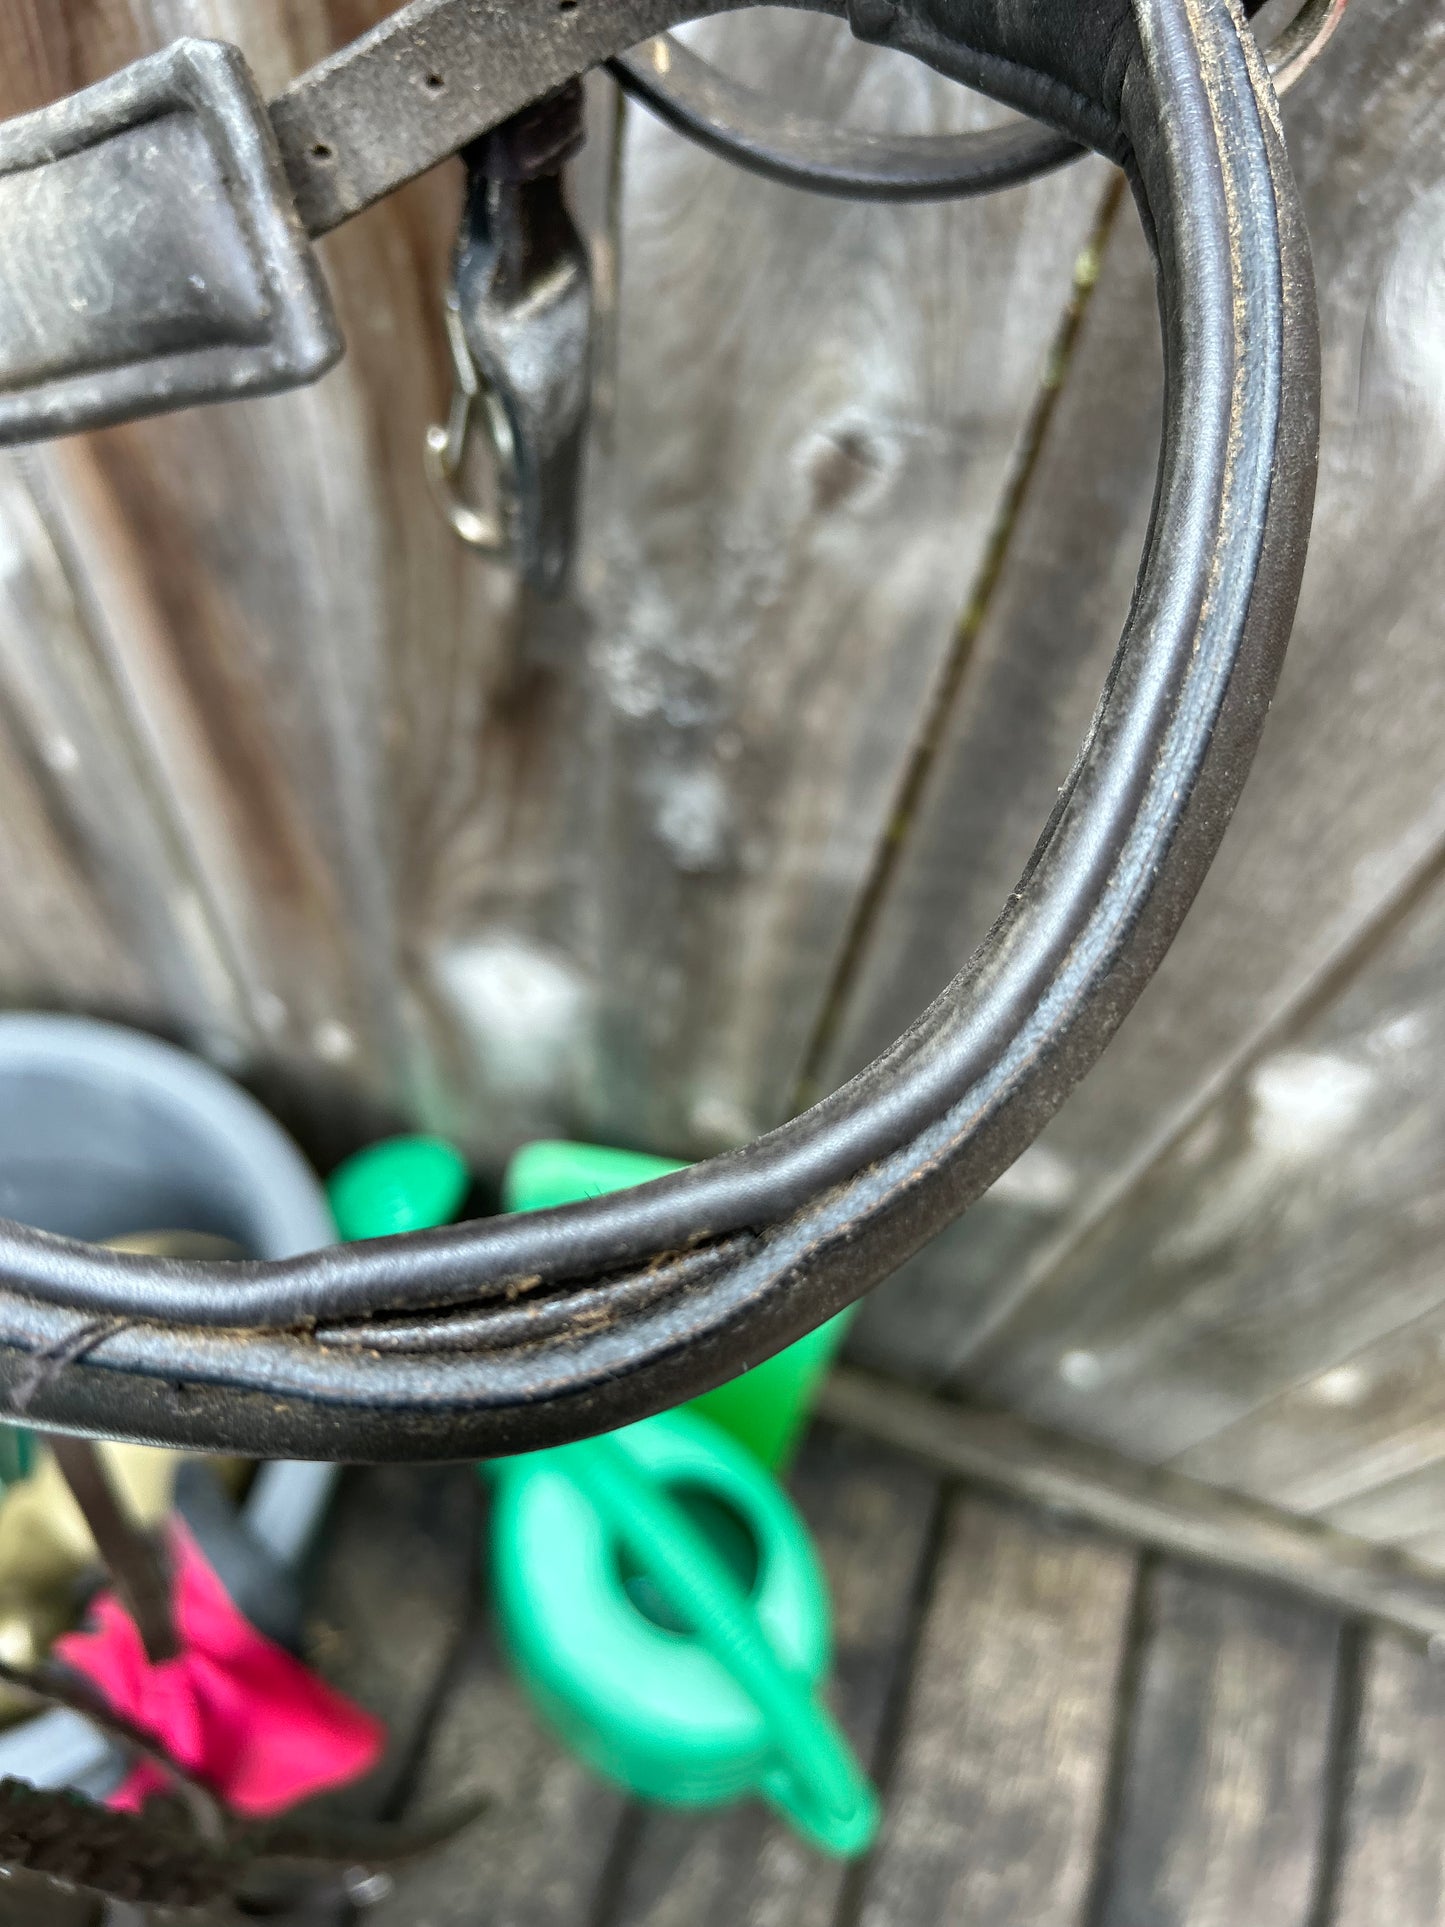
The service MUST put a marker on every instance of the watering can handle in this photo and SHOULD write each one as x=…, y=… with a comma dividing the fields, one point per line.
x=816, y=1782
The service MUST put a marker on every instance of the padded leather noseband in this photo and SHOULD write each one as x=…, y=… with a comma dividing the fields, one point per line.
x=520, y=1332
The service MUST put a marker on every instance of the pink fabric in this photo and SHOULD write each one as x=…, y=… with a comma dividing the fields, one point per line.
x=235, y=1709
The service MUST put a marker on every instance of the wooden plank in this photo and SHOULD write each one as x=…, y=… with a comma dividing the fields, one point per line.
x=105, y=911
x=1033, y=679
x=997, y=1792
x=318, y=691
x=1393, y=1847
x=1408, y=1511
x=1366, y=1421
x=801, y=491
x=1103, y=1346
x=1343, y=806
x=871, y=1515
x=1428, y=1548
x=1070, y=1479
x=1296, y=1226
x=392, y=1593
x=1226, y=1780
x=234, y=570
x=536, y=1856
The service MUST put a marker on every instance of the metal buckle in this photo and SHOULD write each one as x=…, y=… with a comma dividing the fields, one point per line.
x=150, y=251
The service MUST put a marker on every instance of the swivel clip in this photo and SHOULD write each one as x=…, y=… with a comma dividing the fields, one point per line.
x=506, y=464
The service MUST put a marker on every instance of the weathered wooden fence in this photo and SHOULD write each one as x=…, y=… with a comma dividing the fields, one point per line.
x=286, y=773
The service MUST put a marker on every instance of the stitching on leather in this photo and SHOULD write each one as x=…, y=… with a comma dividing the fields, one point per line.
x=47, y=1366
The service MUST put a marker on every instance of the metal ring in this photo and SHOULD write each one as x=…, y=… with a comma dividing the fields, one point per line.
x=1300, y=44
x=752, y=131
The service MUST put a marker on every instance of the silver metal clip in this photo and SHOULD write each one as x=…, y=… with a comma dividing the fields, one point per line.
x=449, y=447
x=519, y=322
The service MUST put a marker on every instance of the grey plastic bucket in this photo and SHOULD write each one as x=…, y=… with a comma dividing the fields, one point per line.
x=104, y=1131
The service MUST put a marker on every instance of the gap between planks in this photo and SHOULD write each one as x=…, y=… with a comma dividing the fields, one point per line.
x=873, y=894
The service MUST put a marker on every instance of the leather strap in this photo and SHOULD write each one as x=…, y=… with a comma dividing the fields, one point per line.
x=522, y=1332
x=433, y=75
x=751, y=129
